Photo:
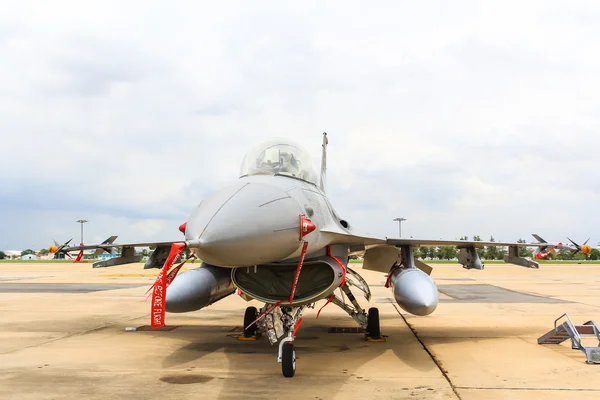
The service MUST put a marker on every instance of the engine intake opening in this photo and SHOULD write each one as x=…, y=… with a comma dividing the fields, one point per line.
x=271, y=283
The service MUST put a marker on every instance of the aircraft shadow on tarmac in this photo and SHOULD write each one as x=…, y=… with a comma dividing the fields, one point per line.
x=249, y=361
x=313, y=340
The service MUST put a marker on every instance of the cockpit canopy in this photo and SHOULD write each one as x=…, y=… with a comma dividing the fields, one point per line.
x=279, y=157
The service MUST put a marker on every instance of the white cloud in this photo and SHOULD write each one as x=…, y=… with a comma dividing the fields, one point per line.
x=465, y=118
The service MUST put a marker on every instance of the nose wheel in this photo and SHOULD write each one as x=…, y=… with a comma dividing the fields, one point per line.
x=288, y=359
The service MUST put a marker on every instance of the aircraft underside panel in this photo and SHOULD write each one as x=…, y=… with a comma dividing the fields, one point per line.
x=272, y=283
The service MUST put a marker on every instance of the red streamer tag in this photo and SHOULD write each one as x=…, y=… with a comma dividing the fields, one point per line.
x=159, y=294
x=329, y=299
x=170, y=278
x=297, y=327
x=300, y=262
x=340, y=263
x=268, y=310
x=173, y=273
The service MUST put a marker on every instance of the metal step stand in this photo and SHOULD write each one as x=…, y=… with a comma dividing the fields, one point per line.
x=567, y=330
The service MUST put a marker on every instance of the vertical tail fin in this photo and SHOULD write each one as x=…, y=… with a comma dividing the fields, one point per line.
x=110, y=250
x=539, y=250
x=324, y=162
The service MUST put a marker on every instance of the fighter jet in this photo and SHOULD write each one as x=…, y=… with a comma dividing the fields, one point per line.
x=274, y=236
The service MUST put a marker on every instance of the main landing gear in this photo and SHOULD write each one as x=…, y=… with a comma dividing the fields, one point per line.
x=250, y=329
x=373, y=332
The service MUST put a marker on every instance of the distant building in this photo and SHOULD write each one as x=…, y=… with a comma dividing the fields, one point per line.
x=12, y=253
x=29, y=257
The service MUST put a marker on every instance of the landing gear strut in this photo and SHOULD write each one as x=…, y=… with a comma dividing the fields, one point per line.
x=280, y=324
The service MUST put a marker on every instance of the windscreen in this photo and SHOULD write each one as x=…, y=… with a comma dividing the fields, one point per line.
x=279, y=157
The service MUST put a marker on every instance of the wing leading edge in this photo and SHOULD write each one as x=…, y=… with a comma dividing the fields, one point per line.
x=119, y=245
x=458, y=243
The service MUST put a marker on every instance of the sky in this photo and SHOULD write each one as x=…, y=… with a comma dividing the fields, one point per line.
x=469, y=118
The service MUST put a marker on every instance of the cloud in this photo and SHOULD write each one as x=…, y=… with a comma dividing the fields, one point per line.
x=464, y=118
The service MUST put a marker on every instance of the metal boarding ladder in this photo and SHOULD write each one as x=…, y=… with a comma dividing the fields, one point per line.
x=567, y=330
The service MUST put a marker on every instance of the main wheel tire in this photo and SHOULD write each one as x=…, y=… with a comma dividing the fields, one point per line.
x=288, y=359
x=249, y=317
x=373, y=323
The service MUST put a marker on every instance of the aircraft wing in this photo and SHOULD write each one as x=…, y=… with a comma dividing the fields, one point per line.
x=117, y=245
x=341, y=237
x=127, y=255
x=467, y=256
x=380, y=253
x=459, y=243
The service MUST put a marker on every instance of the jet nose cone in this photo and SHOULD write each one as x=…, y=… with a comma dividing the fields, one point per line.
x=246, y=224
x=416, y=292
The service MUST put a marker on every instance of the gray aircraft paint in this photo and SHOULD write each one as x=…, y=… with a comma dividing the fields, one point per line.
x=198, y=288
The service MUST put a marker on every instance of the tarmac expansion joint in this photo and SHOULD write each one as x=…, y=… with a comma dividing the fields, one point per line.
x=433, y=358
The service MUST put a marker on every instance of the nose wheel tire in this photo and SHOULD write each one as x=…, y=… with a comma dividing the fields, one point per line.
x=288, y=360
x=249, y=317
x=373, y=329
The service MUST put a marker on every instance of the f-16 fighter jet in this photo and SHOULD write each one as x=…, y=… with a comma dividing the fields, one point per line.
x=274, y=236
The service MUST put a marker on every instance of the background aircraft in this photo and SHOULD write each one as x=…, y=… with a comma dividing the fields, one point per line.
x=273, y=236
x=542, y=253
x=60, y=251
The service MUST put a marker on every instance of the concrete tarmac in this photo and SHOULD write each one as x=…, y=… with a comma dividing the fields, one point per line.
x=62, y=336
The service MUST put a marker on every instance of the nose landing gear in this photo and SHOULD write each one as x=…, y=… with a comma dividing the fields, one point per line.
x=287, y=357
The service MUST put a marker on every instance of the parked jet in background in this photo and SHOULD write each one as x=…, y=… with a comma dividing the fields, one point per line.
x=273, y=236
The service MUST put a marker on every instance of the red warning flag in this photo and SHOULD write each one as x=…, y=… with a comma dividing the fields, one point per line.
x=306, y=227
x=298, y=269
x=159, y=294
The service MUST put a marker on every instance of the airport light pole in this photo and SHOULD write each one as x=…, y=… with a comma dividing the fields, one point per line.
x=399, y=219
x=82, y=221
